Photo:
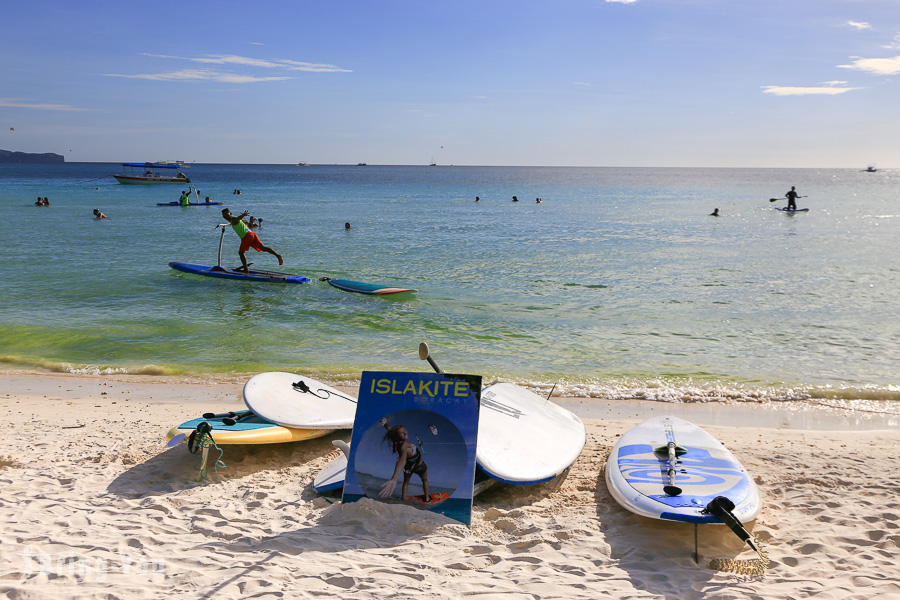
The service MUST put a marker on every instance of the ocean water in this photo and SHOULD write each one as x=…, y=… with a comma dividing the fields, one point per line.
x=618, y=284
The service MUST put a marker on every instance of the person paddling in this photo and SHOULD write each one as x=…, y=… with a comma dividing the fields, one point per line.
x=249, y=239
x=792, y=198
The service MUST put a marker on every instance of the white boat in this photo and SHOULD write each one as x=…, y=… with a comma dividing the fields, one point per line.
x=302, y=164
x=152, y=173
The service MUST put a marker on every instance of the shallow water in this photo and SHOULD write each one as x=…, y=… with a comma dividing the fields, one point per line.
x=618, y=284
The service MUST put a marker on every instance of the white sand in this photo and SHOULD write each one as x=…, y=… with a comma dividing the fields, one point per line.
x=95, y=506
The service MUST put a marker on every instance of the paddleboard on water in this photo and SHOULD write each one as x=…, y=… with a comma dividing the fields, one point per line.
x=248, y=429
x=177, y=203
x=373, y=289
x=791, y=210
x=638, y=477
x=523, y=439
x=295, y=401
x=251, y=275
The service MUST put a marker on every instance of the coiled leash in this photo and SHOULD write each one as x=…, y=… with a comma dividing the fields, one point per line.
x=200, y=441
x=721, y=508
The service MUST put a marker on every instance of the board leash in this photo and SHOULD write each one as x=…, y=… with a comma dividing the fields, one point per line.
x=721, y=508
x=200, y=441
x=301, y=387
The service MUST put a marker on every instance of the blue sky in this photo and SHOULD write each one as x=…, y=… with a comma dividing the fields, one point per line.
x=756, y=83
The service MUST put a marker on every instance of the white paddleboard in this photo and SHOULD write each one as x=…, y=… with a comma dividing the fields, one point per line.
x=637, y=473
x=295, y=401
x=524, y=438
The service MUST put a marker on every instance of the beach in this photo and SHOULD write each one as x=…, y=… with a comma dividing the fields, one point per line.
x=94, y=505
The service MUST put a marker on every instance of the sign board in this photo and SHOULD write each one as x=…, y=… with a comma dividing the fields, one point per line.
x=413, y=441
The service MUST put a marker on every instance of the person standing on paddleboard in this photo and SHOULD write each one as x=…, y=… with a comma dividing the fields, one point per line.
x=792, y=198
x=409, y=462
x=249, y=239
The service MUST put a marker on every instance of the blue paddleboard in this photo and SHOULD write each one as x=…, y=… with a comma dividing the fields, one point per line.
x=251, y=275
x=176, y=203
x=366, y=288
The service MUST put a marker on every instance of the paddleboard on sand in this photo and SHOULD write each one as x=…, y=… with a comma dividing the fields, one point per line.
x=523, y=439
x=791, y=210
x=177, y=203
x=250, y=275
x=641, y=477
x=373, y=289
x=247, y=428
x=292, y=400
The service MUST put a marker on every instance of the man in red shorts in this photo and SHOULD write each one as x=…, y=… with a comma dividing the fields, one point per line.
x=249, y=239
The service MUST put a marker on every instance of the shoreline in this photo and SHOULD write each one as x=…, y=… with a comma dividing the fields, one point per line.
x=93, y=503
x=224, y=393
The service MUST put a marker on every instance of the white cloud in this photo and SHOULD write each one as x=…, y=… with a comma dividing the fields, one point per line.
x=199, y=75
x=22, y=103
x=827, y=90
x=859, y=25
x=875, y=66
x=230, y=59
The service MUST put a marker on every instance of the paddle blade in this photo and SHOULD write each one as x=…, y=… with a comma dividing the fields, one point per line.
x=176, y=440
x=774, y=199
x=423, y=351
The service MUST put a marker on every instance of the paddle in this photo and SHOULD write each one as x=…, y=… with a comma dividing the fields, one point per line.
x=777, y=199
x=425, y=355
x=233, y=420
x=672, y=489
x=230, y=413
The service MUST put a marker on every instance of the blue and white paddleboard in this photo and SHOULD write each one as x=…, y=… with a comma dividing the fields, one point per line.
x=177, y=203
x=367, y=288
x=251, y=275
x=642, y=478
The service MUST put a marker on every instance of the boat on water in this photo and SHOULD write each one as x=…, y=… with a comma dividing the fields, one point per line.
x=302, y=164
x=152, y=173
x=871, y=169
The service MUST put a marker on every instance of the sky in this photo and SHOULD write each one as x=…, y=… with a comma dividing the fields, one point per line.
x=655, y=83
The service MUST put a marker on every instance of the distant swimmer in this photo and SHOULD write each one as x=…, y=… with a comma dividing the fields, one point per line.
x=207, y=201
x=99, y=214
x=236, y=192
x=249, y=239
x=347, y=226
x=515, y=199
x=185, y=199
x=538, y=200
x=714, y=213
x=40, y=201
x=792, y=198
x=46, y=201
x=477, y=199
x=253, y=223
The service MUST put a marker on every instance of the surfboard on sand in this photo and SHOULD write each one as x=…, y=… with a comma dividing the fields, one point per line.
x=523, y=439
x=247, y=429
x=295, y=401
x=234, y=273
x=372, y=289
x=643, y=478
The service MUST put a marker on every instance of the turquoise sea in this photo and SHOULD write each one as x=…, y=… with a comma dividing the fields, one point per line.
x=618, y=284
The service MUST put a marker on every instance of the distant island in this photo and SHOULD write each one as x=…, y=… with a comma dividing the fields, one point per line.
x=7, y=156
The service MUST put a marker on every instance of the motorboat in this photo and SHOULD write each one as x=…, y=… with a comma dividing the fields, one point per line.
x=152, y=173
